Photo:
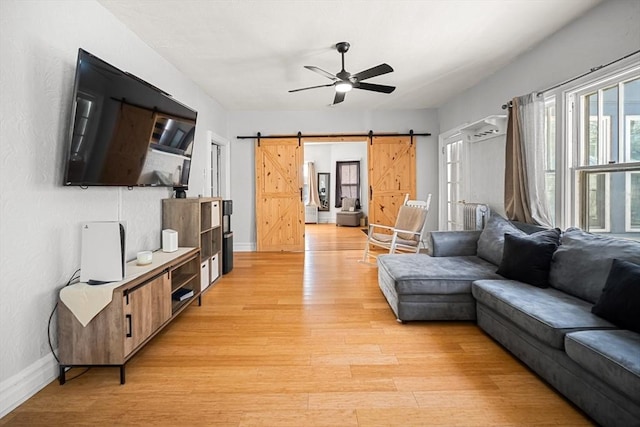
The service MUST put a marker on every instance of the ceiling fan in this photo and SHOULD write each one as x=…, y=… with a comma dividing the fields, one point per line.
x=344, y=81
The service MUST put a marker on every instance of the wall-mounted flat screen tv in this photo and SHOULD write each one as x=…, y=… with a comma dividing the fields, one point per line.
x=125, y=131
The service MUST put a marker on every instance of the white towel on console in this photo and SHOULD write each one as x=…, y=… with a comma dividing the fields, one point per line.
x=86, y=301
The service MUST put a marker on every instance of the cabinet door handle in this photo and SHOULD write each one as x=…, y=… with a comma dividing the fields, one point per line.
x=129, y=326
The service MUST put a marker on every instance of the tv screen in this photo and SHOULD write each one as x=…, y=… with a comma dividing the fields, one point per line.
x=125, y=131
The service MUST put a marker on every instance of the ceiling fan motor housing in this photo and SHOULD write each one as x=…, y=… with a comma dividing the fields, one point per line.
x=343, y=75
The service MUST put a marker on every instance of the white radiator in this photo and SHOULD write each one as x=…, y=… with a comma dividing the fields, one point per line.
x=474, y=216
x=311, y=214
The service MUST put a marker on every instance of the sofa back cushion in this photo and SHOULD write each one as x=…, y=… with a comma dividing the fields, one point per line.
x=582, y=262
x=491, y=241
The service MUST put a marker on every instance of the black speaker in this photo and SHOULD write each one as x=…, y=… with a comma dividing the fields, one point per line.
x=227, y=207
x=227, y=252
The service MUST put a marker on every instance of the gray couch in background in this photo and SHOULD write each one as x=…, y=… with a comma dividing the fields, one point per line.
x=550, y=327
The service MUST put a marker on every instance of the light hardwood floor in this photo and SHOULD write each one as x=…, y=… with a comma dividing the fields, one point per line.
x=306, y=339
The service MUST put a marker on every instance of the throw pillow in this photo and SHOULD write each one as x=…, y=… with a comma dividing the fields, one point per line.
x=619, y=302
x=528, y=258
x=491, y=240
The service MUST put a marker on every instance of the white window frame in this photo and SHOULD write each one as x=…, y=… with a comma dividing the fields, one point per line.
x=604, y=149
x=552, y=100
x=573, y=163
x=627, y=135
x=627, y=212
x=607, y=205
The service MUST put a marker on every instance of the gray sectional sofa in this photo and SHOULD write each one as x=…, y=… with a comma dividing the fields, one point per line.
x=543, y=317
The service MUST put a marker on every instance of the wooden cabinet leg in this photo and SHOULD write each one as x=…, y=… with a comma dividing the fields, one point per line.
x=122, y=374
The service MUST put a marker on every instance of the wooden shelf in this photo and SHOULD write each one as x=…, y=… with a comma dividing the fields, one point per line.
x=177, y=306
x=198, y=222
x=181, y=279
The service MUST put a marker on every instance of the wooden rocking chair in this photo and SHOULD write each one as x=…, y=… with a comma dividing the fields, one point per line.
x=405, y=235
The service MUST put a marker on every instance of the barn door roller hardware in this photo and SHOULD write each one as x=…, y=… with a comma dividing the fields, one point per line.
x=301, y=135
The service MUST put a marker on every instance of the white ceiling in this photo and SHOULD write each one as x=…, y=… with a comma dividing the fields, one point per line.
x=248, y=54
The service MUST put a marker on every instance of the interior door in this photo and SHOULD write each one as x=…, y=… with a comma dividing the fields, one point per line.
x=451, y=181
x=279, y=207
x=392, y=175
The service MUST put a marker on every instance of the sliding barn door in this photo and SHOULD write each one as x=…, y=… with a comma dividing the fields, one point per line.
x=392, y=174
x=279, y=208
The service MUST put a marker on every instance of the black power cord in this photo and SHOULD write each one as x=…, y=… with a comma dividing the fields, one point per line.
x=73, y=279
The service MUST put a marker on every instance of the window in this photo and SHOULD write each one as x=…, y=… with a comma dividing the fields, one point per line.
x=347, y=181
x=605, y=116
x=632, y=136
x=632, y=213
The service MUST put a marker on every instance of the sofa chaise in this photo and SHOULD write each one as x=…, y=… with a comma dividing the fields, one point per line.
x=535, y=297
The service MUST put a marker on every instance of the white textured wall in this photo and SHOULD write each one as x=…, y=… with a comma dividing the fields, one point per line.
x=39, y=218
x=333, y=120
x=603, y=34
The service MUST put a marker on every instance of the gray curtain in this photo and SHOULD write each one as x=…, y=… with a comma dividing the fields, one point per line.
x=314, y=199
x=524, y=187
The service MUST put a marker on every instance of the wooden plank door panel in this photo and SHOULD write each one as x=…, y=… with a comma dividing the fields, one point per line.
x=392, y=175
x=146, y=309
x=279, y=208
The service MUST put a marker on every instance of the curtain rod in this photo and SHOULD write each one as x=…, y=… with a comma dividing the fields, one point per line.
x=329, y=135
x=592, y=70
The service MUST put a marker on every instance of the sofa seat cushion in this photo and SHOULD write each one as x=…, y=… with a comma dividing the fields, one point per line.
x=422, y=274
x=613, y=356
x=546, y=314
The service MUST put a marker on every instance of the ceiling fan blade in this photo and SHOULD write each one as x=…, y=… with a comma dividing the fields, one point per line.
x=321, y=72
x=310, y=87
x=338, y=98
x=375, y=88
x=373, y=72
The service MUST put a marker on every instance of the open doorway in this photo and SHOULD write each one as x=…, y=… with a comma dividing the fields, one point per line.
x=325, y=156
x=321, y=231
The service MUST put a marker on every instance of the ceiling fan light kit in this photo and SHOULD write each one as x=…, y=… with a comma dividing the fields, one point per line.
x=344, y=81
x=343, y=86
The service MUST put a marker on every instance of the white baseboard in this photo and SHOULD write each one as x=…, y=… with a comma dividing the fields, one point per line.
x=17, y=389
x=244, y=247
